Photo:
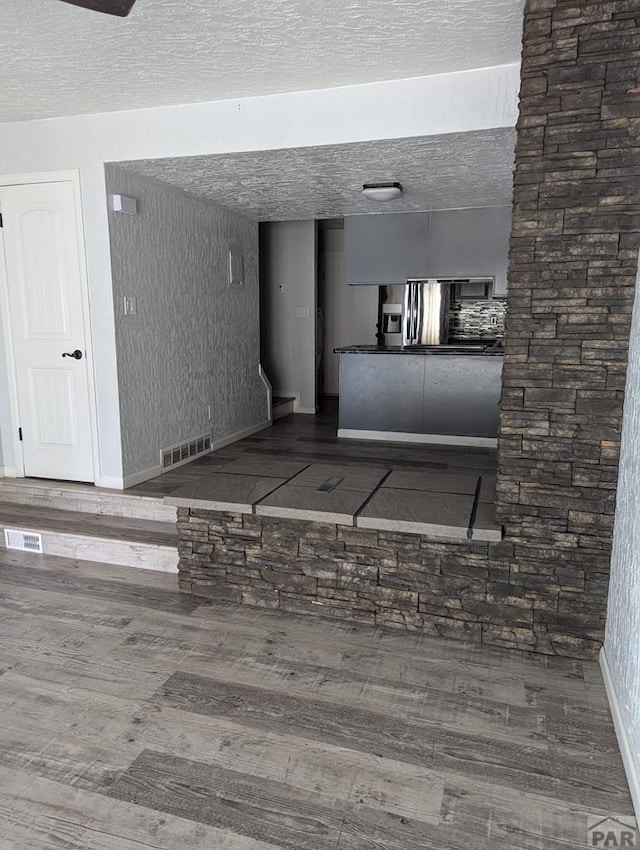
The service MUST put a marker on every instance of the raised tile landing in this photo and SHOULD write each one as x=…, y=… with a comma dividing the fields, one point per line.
x=284, y=466
x=442, y=506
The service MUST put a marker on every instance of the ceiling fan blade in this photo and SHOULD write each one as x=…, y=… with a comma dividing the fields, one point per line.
x=111, y=7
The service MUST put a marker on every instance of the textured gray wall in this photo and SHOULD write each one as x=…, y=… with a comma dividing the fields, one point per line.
x=288, y=258
x=196, y=339
x=622, y=637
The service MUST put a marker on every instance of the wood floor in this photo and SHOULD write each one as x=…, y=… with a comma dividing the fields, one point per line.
x=137, y=718
x=313, y=439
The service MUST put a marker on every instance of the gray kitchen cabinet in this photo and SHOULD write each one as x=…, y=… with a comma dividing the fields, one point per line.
x=450, y=395
x=462, y=395
x=385, y=249
x=381, y=392
x=470, y=243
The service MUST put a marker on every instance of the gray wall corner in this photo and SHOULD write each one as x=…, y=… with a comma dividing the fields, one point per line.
x=193, y=345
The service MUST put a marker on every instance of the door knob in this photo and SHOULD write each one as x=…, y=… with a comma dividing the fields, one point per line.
x=77, y=354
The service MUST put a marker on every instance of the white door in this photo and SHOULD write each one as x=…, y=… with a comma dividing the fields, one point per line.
x=44, y=255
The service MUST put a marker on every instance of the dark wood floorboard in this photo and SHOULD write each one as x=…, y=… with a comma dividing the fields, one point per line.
x=134, y=717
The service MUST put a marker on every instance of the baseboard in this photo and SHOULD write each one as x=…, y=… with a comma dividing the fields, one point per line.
x=311, y=410
x=109, y=482
x=404, y=437
x=239, y=435
x=113, y=483
x=143, y=475
x=631, y=768
x=8, y=472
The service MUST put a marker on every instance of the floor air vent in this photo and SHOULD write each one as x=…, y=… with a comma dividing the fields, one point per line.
x=26, y=541
x=176, y=455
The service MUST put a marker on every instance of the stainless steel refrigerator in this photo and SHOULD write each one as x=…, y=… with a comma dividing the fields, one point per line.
x=425, y=318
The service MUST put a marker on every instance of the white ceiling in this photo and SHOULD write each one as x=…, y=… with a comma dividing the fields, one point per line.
x=61, y=60
x=437, y=172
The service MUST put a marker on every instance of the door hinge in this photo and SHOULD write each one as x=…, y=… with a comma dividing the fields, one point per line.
x=20, y=434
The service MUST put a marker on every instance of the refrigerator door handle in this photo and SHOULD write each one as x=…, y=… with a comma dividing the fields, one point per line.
x=406, y=318
x=414, y=312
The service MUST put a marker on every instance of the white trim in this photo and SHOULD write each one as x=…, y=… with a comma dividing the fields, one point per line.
x=240, y=435
x=628, y=758
x=72, y=177
x=144, y=475
x=14, y=407
x=405, y=437
x=268, y=387
x=110, y=482
x=39, y=177
x=311, y=410
x=8, y=472
x=114, y=483
x=86, y=320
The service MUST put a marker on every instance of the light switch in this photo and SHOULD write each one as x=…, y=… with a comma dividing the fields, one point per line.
x=301, y=312
x=130, y=305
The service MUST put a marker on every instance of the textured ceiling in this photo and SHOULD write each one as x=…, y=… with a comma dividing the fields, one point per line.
x=59, y=59
x=437, y=172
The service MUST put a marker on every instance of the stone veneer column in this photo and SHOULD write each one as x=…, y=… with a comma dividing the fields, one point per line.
x=574, y=252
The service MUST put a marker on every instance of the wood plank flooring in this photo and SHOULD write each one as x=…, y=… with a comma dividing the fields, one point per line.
x=77, y=522
x=134, y=717
x=313, y=439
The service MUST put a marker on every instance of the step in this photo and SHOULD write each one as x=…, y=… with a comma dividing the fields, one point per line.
x=282, y=406
x=62, y=495
x=125, y=541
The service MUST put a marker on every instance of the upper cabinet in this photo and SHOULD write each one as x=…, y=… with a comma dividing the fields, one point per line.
x=385, y=249
x=470, y=243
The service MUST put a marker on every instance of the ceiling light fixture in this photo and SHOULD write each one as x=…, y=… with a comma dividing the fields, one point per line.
x=382, y=191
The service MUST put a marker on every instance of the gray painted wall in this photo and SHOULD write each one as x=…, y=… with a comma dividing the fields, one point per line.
x=622, y=637
x=288, y=259
x=196, y=340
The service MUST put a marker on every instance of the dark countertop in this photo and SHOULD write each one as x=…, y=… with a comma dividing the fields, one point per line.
x=440, y=350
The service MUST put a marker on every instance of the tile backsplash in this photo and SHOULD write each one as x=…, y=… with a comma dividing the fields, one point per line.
x=479, y=319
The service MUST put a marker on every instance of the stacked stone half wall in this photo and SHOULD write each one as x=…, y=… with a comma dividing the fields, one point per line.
x=573, y=266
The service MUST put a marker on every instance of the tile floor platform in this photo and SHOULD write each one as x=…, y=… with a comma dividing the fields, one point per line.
x=440, y=491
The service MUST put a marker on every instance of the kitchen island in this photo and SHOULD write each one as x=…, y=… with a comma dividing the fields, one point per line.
x=431, y=394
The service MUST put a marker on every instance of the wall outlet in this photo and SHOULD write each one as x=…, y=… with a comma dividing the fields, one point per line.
x=281, y=287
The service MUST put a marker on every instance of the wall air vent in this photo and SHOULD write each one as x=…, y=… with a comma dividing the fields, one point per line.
x=26, y=541
x=177, y=455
